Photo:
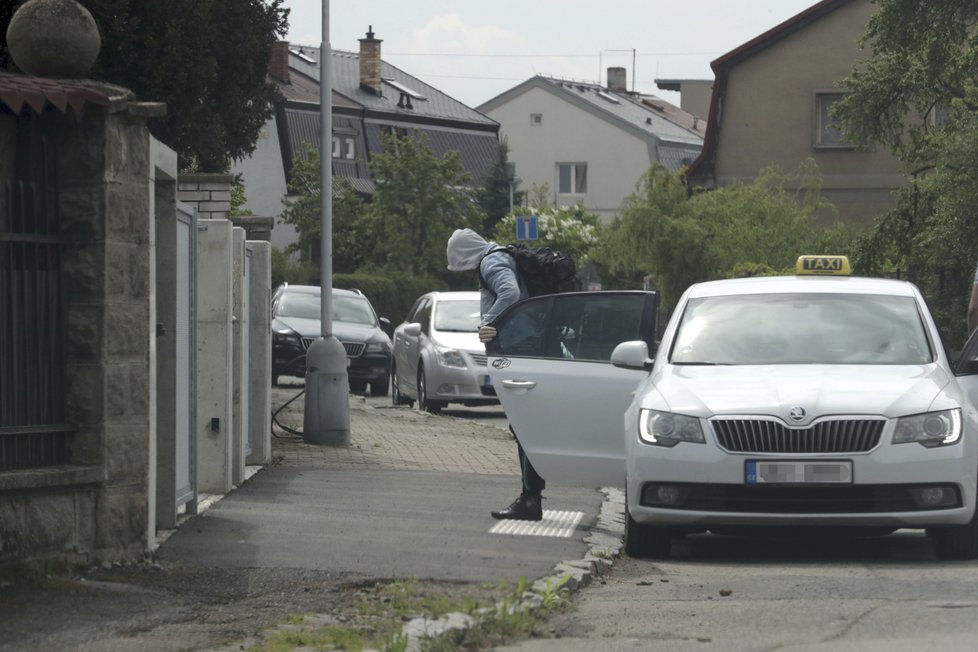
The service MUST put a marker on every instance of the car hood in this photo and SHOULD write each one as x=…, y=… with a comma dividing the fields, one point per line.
x=342, y=330
x=819, y=390
x=460, y=341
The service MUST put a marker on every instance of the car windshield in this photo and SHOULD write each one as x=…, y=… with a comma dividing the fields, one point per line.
x=458, y=316
x=800, y=328
x=306, y=305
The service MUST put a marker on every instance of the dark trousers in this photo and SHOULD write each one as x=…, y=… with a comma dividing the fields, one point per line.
x=533, y=484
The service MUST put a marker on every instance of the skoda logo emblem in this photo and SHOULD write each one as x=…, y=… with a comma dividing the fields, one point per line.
x=797, y=413
x=500, y=363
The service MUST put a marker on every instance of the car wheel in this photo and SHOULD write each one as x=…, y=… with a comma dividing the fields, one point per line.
x=380, y=388
x=358, y=386
x=644, y=541
x=434, y=407
x=396, y=397
x=955, y=542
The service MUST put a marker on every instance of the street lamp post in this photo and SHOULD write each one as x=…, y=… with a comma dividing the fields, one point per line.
x=326, y=416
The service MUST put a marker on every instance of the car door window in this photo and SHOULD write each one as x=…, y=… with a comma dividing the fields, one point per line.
x=579, y=326
x=424, y=316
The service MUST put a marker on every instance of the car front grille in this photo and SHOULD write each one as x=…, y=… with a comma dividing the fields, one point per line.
x=793, y=499
x=769, y=436
x=481, y=360
x=353, y=349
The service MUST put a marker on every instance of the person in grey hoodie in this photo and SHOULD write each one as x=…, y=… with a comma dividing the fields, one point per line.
x=500, y=287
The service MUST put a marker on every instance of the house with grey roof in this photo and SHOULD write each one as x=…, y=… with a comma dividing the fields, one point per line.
x=589, y=144
x=370, y=97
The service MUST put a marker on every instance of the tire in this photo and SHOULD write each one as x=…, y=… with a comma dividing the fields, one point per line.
x=425, y=405
x=396, y=397
x=644, y=541
x=380, y=388
x=358, y=386
x=955, y=542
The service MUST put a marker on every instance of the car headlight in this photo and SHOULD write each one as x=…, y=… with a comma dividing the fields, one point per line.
x=378, y=347
x=450, y=358
x=930, y=429
x=285, y=337
x=668, y=429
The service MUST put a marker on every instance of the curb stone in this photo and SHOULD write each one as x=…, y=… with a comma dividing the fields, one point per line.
x=606, y=539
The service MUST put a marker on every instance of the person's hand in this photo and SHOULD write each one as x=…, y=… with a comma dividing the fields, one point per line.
x=486, y=333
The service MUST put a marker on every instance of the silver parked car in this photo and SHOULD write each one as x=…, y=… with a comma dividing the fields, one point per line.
x=438, y=358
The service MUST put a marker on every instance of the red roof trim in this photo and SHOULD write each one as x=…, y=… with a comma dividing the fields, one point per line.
x=37, y=93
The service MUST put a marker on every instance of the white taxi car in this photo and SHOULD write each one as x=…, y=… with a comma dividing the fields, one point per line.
x=820, y=399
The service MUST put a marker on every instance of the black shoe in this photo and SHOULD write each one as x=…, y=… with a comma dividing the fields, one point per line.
x=525, y=508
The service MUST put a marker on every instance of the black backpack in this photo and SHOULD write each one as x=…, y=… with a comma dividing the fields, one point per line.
x=543, y=270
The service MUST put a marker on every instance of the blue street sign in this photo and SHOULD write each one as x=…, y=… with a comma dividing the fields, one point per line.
x=526, y=227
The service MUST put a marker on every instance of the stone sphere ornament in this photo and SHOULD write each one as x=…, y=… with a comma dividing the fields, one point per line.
x=53, y=38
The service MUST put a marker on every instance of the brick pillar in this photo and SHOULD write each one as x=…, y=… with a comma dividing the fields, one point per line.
x=210, y=194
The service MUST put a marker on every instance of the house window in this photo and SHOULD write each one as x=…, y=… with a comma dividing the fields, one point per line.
x=344, y=147
x=827, y=133
x=572, y=178
x=536, y=119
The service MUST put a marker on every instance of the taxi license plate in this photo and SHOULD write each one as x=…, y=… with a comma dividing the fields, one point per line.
x=791, y=472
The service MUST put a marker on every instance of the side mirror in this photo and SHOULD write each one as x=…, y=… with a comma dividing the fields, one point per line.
x=632, y=355
x=413, y=329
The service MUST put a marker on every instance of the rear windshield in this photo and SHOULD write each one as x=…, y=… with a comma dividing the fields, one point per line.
x=856, y=329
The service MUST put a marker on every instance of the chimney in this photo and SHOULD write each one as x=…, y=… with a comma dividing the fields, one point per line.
x=278, y=66
x=617, y=80
x=370, y=62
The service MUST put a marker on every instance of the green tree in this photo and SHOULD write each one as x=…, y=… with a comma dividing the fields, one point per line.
x=569, y=229
x=678, y=239
x=420, y=199
x=494, y=196
x=351, y=241
x=206, y=59
x=917, y=95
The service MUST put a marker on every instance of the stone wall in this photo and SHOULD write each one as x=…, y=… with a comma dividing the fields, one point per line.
x=96, y=508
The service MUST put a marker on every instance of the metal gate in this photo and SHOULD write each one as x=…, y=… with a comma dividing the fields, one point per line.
x=33, y=308
x=246, y=334
x=186, y=358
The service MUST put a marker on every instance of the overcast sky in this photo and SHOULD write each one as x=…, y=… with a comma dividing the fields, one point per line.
x=475, y=50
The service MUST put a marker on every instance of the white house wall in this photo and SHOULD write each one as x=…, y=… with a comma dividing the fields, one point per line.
x=615, y=158
x=264, y=179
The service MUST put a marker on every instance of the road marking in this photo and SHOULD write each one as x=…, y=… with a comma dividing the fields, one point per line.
x=554, y=524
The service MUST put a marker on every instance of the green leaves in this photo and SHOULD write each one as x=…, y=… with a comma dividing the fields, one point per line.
x=917, y=95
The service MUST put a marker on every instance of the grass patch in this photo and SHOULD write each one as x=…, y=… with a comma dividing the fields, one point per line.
x=376, y=614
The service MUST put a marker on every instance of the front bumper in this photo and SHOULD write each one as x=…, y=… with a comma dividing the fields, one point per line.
x=289, y=359
x=712, y=484
x=460, y=385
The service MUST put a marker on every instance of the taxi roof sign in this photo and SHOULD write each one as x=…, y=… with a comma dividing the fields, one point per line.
x=823, y=265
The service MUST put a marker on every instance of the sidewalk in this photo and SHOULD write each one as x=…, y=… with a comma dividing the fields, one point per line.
x=311, y=533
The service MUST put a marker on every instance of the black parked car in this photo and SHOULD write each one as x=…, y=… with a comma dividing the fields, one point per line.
x=296, y=313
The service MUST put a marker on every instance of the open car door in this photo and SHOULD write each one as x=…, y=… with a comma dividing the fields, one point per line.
x=566, y=402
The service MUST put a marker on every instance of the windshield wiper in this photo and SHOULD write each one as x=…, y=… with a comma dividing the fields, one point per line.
x=701, y=364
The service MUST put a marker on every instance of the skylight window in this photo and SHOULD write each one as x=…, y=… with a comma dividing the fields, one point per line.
x=302, y=55
x=410, y=92
x=610, y=98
